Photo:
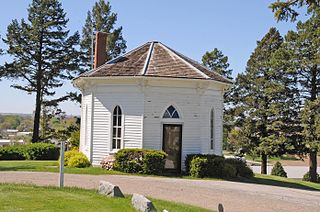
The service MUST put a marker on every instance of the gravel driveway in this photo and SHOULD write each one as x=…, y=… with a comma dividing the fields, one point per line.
x=209, y=194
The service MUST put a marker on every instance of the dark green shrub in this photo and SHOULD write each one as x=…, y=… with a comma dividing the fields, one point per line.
x=215, y=166
x=41, y=151
x=37, y=151
x=246, y=172
x=190, y=157
x=154, y=161
x=79, y=160
x=278, y=170
x=199, y=167
x=12, y=153
x=242, y=169
x=306, y=177
x=140, y=161
x=229, y=171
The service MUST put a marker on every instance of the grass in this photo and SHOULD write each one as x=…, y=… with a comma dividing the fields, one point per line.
x=52, y=166
x=34, y=198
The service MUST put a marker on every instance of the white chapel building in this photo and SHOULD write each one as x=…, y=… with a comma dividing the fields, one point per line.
x=151, y=97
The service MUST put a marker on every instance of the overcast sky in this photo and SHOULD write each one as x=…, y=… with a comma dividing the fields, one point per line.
x=190, y=27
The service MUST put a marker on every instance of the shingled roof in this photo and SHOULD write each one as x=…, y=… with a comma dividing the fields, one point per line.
x=154, y=59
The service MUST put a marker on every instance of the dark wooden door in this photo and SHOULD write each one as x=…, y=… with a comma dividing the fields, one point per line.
x=172, y=142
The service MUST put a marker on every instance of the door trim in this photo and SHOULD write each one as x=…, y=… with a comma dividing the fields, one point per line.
x=178, y=170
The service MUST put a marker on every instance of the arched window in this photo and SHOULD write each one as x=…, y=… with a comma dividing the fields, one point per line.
x=212, y=129
x=171, y=113
x=117, y=128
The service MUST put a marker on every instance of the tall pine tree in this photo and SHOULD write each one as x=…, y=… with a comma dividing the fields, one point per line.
x=260, y=99
x=304, y=48
x=102, y=19
x=44, y=55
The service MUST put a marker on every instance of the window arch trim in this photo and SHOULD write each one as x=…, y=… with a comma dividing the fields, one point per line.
x=171, y=112
x=117, y=128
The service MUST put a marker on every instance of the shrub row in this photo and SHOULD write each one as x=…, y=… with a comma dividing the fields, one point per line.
x=76, y=159
x=36, y=151
x=198, y=165
x=140, y=161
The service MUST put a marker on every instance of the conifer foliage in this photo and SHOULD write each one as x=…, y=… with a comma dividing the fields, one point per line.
x=259, y=101
x=101, y=18
x=44, y=55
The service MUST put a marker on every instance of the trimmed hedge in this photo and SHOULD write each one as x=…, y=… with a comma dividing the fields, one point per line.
x=12, y=153
x=190, y=157
x=216, y=166
x=36, y=151
x=242, y=169
x=142, y=161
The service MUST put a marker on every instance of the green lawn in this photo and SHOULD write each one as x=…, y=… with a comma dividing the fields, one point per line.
x=34, y=198
x=52, y=166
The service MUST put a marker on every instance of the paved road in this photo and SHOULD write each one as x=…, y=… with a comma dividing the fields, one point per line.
x=204, y=193
x=292, y=171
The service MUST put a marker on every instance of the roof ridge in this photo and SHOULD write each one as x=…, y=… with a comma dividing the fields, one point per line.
x=182, y=59
x=147, y=62
x=200, y=65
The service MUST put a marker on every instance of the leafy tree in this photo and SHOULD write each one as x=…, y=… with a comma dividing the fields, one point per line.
x=43, y=54
x=303, y=47
x=102, y=19
x=261, y=102
x=218, y=62
x=10, y=122
x=285, y=10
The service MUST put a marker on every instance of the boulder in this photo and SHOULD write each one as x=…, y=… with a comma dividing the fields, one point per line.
x=141, y=203
x=109, y=190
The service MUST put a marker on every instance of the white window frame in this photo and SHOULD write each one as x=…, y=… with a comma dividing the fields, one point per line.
x=117, y=127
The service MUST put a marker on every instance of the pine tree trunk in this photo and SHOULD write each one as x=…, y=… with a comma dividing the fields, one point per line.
x=264, y=163
x=313, y=166
x=36, y=121
x=312, y=153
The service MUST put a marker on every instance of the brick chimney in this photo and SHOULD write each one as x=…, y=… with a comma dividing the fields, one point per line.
x=100, y=49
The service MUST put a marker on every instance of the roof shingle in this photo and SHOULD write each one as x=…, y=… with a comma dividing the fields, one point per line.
x=154, y=59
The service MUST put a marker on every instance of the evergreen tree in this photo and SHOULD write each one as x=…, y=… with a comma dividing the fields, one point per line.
x=304, y=47
x=43, y=53
x=100, y=18
x=218, y=62
x=260, y=101
x=285, y=10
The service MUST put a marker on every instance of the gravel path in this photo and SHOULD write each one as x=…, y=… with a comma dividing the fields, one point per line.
x=204, y=193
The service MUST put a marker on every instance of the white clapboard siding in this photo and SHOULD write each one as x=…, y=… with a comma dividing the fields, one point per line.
x=142, y=109
x=194, y=110
x=85, y=128
x=106, y=98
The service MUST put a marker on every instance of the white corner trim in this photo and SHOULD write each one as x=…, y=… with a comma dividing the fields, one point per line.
x=186, y=62
x=146, y=63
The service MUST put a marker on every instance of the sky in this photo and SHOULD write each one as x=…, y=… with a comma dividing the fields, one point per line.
x=190, y=27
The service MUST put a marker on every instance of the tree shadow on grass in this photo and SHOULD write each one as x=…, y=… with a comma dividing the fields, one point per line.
x=274, y=182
